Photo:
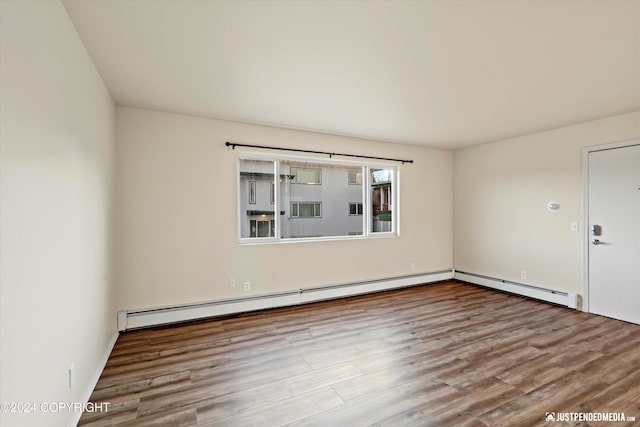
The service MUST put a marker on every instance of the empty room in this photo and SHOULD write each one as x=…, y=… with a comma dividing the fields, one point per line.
x=319, y=213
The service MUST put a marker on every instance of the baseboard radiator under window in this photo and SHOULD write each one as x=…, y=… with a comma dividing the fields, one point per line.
x=569, y=300
x=136, y=319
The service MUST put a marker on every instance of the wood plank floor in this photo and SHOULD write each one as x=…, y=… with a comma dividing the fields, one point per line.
x=446, y=354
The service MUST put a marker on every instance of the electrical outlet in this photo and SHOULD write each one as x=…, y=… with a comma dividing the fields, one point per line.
x=523, y=275
x=232, y=282
x=247, y=286
x=574, y=226
x=413, y=266
x=72, y=374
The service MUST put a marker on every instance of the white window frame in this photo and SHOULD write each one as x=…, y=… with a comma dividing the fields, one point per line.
x=367, y=214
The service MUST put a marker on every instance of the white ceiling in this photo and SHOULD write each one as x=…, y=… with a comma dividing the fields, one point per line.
x=435, y=73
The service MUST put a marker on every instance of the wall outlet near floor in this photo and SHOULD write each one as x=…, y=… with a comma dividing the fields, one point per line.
x=523, y=275
x=232, y=282
x=413, y=266
x=72, y=374
x=247, y=286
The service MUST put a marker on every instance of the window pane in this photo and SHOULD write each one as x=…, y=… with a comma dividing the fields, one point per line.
x=306, y=175
x=272, y=195
x=306, y=210
x=252, y=192
x=263, y=228
x=355, y=208
x=381, y=200
x=319, y=210
x=255, y=208
x=355, y=177
x=381, y=175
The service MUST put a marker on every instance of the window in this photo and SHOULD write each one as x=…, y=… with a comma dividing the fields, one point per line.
x=355, y=208
x=252, y=192
x=256, y=212
x=381, y=200
x=306, y=210
x=283, y=198
x=272, y=195
x=355, y=177
x=306, y=176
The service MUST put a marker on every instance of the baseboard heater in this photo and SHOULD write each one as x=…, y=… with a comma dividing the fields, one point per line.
x=556, y=297
x=136, y=319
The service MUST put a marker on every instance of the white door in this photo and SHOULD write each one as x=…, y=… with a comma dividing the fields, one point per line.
x=614, y=233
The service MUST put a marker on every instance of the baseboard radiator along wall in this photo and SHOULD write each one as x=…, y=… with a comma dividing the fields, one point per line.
x=136, y=319
x=569, y=300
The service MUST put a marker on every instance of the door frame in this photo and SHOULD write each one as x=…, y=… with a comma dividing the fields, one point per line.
x=585, y=197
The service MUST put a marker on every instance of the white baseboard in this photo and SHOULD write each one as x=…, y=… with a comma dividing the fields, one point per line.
x=569, y=300
x=94, y=379
x=339, y=291
x=135, y=319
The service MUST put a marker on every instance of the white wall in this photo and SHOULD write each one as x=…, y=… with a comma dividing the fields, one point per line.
x=501, y=224
x=57, y=131
x=176, y=214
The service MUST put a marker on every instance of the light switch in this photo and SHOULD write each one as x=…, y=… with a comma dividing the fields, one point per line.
x=574, y=226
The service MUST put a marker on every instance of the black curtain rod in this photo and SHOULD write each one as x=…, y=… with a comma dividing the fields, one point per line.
x=233, y=145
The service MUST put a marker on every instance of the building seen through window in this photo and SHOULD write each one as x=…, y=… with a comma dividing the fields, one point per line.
x=313, y=200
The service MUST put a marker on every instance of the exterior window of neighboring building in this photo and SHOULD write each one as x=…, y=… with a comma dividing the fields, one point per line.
x=287, y=198
x=272, y=195
x=355, y=177
x=355, y=208
x=252, y=192
x=306, y=210
x=306, y=176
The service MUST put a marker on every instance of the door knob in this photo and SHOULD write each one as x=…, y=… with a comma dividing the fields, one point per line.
x=596, y=242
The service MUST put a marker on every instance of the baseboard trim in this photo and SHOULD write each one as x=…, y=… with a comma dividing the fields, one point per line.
x=137, y=319
x=94, y=379
x=349, y=289
x=569, y=300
